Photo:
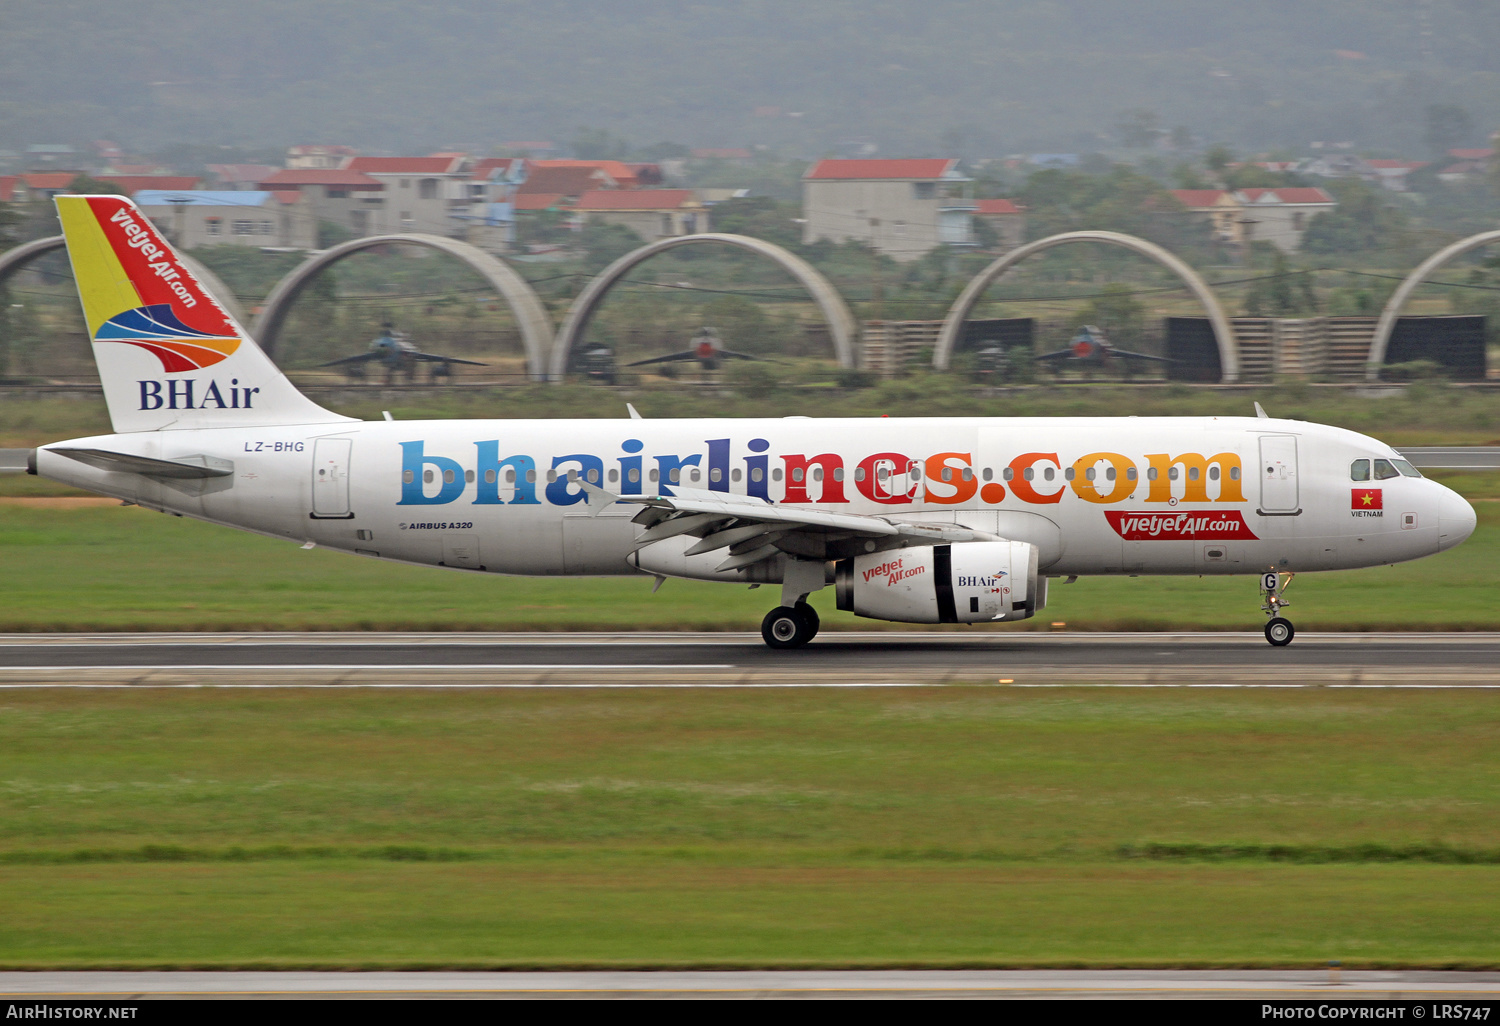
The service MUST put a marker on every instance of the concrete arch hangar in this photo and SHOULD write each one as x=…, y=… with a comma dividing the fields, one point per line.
x=1394, y=305
x=953, y=324
x=13, y=260
x=531, y=316
x=841, y=323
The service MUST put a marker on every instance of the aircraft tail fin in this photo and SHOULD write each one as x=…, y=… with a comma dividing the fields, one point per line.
x=169, y=354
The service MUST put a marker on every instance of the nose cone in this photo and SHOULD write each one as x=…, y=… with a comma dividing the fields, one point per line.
x=1456, y=520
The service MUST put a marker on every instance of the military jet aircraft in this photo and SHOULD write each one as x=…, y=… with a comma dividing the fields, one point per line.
x=707, y=348
x=395, y=351
x=1090, y=349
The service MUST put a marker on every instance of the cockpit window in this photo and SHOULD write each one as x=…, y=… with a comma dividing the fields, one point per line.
x=1407, y=470
x=1384, y=471
x=1359, y=470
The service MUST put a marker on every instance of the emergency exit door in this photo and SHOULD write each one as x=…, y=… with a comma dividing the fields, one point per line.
x=330, y=479
x=1278, y=475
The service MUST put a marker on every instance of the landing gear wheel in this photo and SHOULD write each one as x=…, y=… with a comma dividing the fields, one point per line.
x=812, y=618
x=1279, y=631
x=788, y=627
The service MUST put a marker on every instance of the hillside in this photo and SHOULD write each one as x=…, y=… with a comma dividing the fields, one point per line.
x=981, y=77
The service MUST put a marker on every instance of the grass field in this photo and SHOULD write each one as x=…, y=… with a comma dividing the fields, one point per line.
x=940, y=826
x=121, y=568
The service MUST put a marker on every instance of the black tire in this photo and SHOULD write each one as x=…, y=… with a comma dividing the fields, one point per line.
x=812, y=618
x=1279, y=631
x=786, y=627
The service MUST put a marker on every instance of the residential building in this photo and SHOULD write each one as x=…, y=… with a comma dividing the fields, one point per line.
x=262, y=219
x=543, y=178
x=1220, y=209
x=651, y=213
x=619, y=174
x=490, y=221
x=1390, y=174
x=1281, y=216
x=318, y=157
x=10, y=185
x=350, y=199
x=1008, y=220
x=1468, y=166
x=900, y=208
x=421, y=194
x=240, y=177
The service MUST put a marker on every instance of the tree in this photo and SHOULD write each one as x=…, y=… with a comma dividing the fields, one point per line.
x=760, y=217
x=1361, y=223
x=1447, y=126
x=84, y=185
x=1120, y=314
x=1282, y=293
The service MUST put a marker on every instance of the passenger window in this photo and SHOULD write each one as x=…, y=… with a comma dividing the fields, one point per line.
x=1359, y=470
x=1384, y=471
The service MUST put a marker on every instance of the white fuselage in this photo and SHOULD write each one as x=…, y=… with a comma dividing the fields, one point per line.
x=1095, y=495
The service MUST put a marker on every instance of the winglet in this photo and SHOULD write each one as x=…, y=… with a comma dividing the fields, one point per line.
x=634, y=414
x=1260, y=412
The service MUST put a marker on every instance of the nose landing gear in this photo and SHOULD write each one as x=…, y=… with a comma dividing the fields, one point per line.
x=1279, y=630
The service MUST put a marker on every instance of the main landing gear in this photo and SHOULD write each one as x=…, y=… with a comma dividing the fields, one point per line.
x=1279, y=630
x=790, y=626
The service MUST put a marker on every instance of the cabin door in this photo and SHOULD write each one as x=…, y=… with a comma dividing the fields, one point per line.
x=330, y=478
x=1278, y=474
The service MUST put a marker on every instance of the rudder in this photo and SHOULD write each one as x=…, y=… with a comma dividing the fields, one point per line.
x=169, y=355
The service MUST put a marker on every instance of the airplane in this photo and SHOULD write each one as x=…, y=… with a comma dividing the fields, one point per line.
x=399, y=355
x=707, y=348
x=1092, y=348
x=914, y=520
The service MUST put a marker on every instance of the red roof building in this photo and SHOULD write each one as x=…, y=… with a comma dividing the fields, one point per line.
x=637, y=199
x=445, y=164
x=650, y=213
x=297, y=178
x=900, y=208
x=543, y=177
x=995, y=207
x=533, y=201
x=927, y=168
x=133, y=184
x=622, y=174
x=8, y=185
x=1200, y=199
x=1288, y=196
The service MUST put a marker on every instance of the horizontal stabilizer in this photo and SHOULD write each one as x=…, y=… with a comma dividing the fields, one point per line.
x=198, y=466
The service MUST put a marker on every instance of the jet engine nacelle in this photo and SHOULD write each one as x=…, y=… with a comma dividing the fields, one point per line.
x=972, y=582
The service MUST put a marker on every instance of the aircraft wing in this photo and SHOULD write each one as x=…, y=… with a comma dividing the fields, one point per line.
x=686, y=354
x=434, y=358
x=1061, y=354
x=361, y=358
x=1140, y=356
x=750, y=530
x=737, y=356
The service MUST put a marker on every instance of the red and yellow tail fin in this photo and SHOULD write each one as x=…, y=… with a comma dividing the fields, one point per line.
x=169, y=354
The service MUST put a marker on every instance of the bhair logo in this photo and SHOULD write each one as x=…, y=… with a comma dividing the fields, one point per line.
x=179, y=394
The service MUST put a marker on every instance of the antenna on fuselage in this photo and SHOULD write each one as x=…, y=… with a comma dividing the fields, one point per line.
x=1260, y=412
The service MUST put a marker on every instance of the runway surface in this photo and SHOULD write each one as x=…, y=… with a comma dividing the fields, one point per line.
x=1253, y=984
x=833, y=659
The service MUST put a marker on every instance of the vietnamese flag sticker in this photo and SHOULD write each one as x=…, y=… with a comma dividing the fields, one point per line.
x=1365, y=498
